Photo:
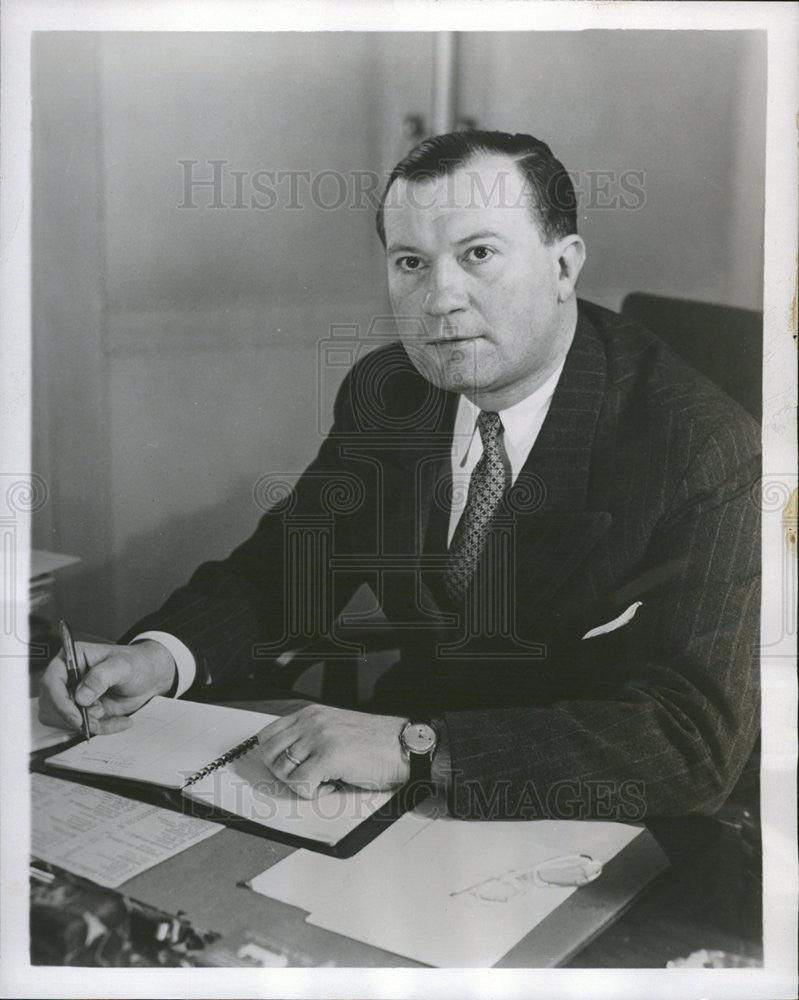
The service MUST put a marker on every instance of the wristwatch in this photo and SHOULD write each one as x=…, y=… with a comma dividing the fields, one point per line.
x=418, y=739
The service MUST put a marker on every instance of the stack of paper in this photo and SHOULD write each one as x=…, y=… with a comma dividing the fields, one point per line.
x=445, y=892
x=42, y=566
x=102, y=836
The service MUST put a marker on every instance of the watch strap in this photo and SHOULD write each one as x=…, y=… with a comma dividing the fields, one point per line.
x=421, y=766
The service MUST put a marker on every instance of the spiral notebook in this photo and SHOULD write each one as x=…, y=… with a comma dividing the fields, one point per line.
x=208, y=755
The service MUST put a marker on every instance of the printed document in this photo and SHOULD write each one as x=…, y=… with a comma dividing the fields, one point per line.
x=102, y=836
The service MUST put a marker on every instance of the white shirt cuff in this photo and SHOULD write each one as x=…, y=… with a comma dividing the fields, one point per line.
x=181, y=654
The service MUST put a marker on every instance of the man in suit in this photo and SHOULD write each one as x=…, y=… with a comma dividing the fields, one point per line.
x=554, y=512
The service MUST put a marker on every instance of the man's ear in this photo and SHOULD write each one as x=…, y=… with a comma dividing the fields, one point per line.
x=571, y=257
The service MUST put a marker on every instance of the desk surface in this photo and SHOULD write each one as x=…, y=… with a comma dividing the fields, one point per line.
x=706, y=900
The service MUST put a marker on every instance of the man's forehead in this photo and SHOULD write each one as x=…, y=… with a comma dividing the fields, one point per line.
x=484, y=189
x=493, y=181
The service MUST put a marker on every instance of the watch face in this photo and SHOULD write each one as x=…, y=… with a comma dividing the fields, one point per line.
x=418, y=737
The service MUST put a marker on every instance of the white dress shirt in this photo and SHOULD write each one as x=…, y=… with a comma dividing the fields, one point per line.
x=521, y=424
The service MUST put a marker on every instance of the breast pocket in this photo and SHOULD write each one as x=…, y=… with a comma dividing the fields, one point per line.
x=615, y=623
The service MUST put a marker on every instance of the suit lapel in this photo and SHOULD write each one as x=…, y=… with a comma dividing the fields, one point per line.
x=423, y=461
x=554, y=530
x=416, y=464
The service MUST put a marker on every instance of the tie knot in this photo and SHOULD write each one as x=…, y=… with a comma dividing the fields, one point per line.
x=489, y=426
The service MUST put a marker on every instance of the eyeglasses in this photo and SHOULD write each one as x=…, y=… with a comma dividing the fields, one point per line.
x=567, y=871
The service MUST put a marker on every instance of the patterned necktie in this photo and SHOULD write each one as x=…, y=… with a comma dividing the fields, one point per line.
x=486, y=487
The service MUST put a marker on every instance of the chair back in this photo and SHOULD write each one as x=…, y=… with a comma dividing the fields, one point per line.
x=722, y=342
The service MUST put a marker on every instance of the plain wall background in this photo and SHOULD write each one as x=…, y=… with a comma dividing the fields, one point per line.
x=181, y=354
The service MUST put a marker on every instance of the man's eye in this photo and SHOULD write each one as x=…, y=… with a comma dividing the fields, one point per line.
x=409, y=263
x=479, y=254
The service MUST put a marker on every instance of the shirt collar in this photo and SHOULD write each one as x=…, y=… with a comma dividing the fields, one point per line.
x=520, y=422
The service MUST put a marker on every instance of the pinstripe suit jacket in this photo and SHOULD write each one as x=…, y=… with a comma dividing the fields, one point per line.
x=638, y=489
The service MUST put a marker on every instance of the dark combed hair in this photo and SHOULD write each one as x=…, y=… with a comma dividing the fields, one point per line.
x=553, y=200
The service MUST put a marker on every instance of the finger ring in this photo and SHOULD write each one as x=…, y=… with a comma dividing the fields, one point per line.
x=291, y=757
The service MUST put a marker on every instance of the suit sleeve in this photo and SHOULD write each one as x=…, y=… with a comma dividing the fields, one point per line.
x=679, y=712
x=234, y=613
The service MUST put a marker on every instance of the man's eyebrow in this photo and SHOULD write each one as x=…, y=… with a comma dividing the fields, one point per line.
x=395, y=247
x=481, y=234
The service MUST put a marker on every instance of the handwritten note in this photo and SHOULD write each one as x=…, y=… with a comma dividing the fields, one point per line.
x=167, y=742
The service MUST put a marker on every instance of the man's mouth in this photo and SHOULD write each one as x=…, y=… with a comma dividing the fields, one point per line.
x=444, y=341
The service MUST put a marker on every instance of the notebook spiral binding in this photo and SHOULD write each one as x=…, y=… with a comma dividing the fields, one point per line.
x=237, y=751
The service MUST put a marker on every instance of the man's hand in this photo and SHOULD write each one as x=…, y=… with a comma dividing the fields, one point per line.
x=119, y=679
x=332, y=744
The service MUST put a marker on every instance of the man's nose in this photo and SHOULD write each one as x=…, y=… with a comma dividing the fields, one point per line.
x=445, y=291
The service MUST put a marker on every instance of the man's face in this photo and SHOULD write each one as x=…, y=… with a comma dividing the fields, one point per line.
x=481, y=302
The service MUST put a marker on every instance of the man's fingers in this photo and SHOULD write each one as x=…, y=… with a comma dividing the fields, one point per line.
x=279, y=762
x=272, y=732
x=91, y=653
x=56, y=707
x=307, y=780
x=106, y=674
x=273, y=740
x=106, y=725
x=66, y=717
x=299, y=750
x=310, y=778
x=109, y=707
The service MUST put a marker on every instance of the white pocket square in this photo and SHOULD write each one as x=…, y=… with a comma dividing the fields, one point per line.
x=623, y=619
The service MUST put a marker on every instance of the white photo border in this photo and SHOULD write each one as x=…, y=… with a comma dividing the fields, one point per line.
x=778, y=976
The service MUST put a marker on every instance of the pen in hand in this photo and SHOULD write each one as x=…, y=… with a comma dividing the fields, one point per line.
x=73, y=674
